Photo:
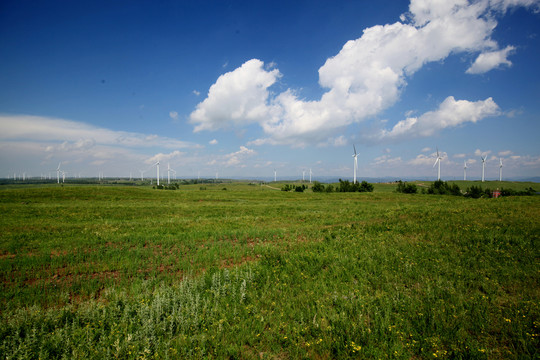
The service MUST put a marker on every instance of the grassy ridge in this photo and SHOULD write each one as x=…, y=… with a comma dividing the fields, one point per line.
x=252, y=272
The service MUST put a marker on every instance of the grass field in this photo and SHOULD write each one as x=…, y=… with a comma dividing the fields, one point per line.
x=245, y=271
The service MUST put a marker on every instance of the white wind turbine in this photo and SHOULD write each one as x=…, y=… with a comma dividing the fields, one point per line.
x=169, y=173
x=58, y=173
x=310, y=173
x=275, y=175
x=157, y=167
x=439, y=162
x=465, y=170
x=303, y=175
x=500, y=169
x=142, y=174
x=355, y=156
x=483, y=166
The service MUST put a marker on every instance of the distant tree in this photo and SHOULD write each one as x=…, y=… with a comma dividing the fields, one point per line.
x=317, y=187
x=406, y=188
x=366, y=187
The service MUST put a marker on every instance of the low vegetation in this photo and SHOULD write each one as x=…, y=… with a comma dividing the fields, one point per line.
x=92, y=272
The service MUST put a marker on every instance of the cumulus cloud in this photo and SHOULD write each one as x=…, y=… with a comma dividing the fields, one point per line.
x=425, y=160
x=236, y=158
x=491, y=60
x=451, y=113
x=173, y=115
x=213, y=142
x=366, y=77
x=387, y=160
x=238, y=97
x=162, y=158
x=505, y=153
x=481, y=153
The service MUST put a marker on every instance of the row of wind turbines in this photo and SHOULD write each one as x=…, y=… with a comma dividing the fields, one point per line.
x=156, y=165
x=484, y=159
x=303, y=175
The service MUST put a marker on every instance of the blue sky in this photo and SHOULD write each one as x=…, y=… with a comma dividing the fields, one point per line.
x=241, y=88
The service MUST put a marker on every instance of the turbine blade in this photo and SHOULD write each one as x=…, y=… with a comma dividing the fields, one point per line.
x=354, y=147
x=436, y=161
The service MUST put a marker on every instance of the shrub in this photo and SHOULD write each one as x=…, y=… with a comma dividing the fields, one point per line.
x=318, y=187
x=346, y=186
x=300, y=188
x=404, y=187
x=286, y=187
x=366, y=187
x=474, y=192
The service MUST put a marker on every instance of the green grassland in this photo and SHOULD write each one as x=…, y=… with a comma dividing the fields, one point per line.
x=244, y=271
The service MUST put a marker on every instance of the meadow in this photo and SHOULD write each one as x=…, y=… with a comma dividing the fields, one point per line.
x=243, y=271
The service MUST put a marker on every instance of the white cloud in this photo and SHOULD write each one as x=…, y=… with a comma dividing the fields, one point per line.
x=460, y=156
x=236, y=158
x=451, y=113
x=334, y=141
x=51, y=130
x=387, y=160
x=213, y=142
x=425, y=160
x=162, y=158
x=196, y=93
x=481, y=153
x=503, y=5
x=505, y=153
x=238, y=97
x=363, y=79
x=491, y=60
x=426, y=149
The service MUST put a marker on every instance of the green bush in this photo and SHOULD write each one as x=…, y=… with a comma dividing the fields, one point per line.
x=318, y=187
x=404, y=187
x=346, y=186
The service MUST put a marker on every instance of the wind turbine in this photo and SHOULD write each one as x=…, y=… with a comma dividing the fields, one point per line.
x=310, y=173
x=142, y=174
x=500, y=169
x=157, y=167
x=438, y=161
x=275, y=175
x=465, y=170
x=483, y=166
x=169, y=173
x=303, y=175
x=58, y=173
x=355, y=156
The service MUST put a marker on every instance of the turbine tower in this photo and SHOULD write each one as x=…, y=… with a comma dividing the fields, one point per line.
x=465, y=170
x=169, y=173
x=500, y=169
x=355, y=156
x=58, y=173
x=439, y=162
x=275, y=175
x=483, y=167
x=303, y=175
x=310, y=173
x=157, y=176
